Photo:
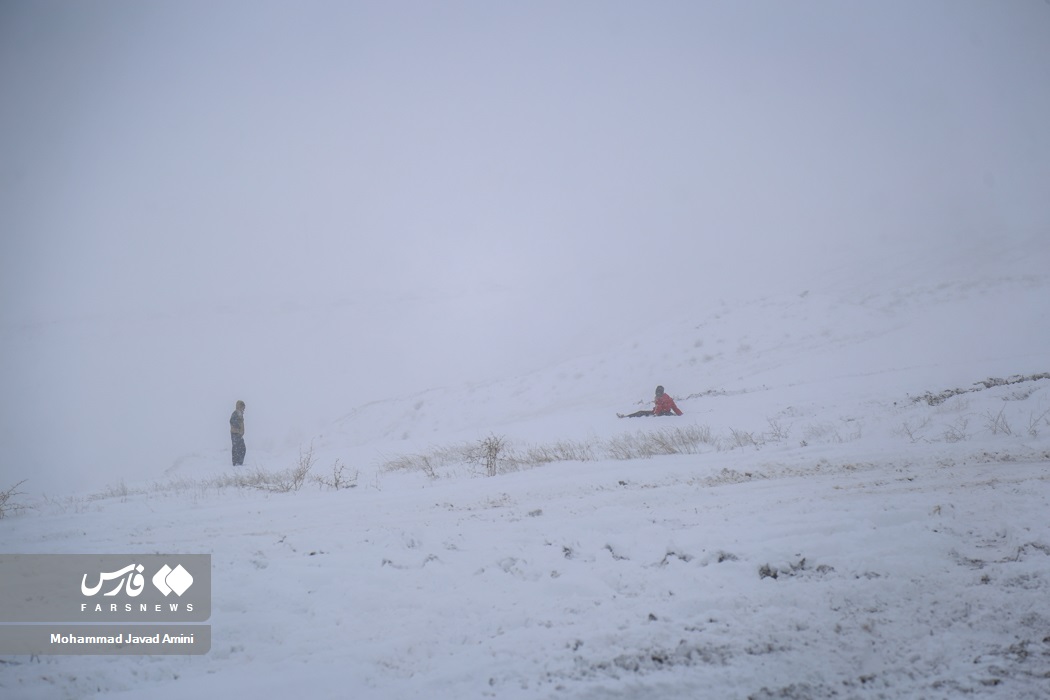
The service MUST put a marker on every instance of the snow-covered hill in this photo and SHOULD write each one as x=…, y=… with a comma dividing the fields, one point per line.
x=437, y=247
x=859, y=512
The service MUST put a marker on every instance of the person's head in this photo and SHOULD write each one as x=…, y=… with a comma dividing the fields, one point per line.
x=240, y=405
x=659, y=391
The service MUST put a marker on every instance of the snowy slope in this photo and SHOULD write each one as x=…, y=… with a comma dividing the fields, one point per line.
x=863, y=519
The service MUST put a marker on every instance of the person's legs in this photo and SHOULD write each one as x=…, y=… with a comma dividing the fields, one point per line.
x=239, y=450
x=637, y=414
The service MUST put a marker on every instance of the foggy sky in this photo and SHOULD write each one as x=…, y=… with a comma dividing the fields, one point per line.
x=313, y=205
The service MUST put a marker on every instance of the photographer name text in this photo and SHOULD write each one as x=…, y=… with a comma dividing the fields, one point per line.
x=122, y=638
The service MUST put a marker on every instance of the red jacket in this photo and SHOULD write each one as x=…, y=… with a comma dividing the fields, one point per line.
x=664, y=405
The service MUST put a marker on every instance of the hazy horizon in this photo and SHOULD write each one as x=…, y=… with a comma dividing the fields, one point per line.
x=314, y=206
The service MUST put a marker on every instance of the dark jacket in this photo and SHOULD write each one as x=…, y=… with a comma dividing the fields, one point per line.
x=237, y=423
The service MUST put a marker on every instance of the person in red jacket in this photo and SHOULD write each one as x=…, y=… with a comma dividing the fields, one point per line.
x=663, y=405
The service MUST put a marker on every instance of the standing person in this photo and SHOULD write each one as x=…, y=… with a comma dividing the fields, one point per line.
x=663, y=405
x=237, y=434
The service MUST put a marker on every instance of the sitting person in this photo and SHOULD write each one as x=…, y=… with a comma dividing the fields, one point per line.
x=663, y=405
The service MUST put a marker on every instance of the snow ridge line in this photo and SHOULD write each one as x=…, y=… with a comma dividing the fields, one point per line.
x=936, y=399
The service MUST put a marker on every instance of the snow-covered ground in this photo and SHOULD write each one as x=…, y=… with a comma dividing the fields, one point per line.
x=856, y=511
x=437, y=247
